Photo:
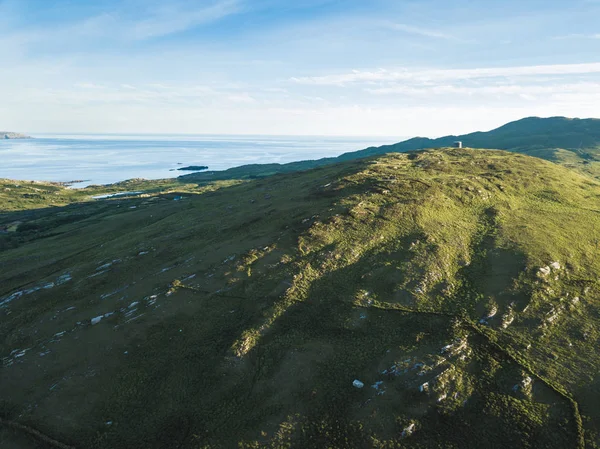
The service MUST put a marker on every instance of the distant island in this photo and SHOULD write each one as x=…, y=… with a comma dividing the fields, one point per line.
x=193, y=168
x=11, y=135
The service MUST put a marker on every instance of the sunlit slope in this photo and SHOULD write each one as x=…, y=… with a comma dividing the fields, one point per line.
x=459, y=286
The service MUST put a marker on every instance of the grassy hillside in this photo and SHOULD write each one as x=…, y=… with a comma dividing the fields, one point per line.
x=571, y=142
x=459, y=286
x=18, y=196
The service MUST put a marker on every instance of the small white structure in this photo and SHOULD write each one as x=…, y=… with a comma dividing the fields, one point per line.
x=358, y=384
x=458, y=144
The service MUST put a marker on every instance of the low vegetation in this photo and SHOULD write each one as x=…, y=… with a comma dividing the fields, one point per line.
x=459, y=287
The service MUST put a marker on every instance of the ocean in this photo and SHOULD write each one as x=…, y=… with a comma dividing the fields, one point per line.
x=105, y=159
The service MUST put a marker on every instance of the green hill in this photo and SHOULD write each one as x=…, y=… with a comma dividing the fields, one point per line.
x=574, y=143
x=520, y=136
x=459, y=287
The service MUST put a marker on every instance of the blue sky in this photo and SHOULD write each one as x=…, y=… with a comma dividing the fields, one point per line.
x=316, y=67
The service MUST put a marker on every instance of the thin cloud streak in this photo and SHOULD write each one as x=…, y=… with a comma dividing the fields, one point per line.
x=119, y=26
x=577, y=36
x=503, y=89
x=176, y=19
x=383, y=75
x=420, y=31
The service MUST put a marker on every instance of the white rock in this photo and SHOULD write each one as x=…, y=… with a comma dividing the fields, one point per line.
x=492, y=313
x=447, y=348
x=555, y=266
x=408, y=430
x=63, y=279
x=507, y=321
x=358, y=384
x=97, y=319
x=544, y=271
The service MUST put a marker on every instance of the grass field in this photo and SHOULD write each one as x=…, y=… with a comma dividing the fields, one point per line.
x=459, y=286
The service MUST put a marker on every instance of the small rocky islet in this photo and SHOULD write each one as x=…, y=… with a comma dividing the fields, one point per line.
x=191, y=168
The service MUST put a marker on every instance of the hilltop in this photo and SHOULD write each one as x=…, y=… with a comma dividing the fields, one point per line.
x=458, y=287
x=574, y=143
x=521, y=136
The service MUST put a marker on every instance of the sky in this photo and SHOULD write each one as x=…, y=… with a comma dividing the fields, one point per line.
x=302, y=67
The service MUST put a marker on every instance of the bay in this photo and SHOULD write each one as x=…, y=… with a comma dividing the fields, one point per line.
x=105, y=159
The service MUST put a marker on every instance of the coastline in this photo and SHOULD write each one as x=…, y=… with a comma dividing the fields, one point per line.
x=7, y=135
x=109, y=160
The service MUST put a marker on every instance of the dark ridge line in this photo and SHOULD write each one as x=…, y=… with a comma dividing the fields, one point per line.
x=34, y=433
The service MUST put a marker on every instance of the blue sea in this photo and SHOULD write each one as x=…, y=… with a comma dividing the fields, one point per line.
x=105, y=159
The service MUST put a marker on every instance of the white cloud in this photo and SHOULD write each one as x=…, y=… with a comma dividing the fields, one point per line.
x=175, y=18
x=275, y=90
x=420, y=31
x=578, y=36
x=528, y=90
x=351, y=120
x=96, y=74
x=89, y=86
x=121, y=26
x=241, y=98
x=383, y=75
x=121, y=95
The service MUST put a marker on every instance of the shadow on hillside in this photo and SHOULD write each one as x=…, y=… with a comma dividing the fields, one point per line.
x=19, y=227
x=341, y=342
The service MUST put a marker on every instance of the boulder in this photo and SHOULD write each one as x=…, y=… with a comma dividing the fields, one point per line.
x=358, y=384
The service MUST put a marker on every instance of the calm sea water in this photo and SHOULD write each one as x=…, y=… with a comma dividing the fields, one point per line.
x=104, y=159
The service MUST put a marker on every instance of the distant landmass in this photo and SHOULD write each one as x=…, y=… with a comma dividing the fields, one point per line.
x=11, y=135
x=569, y=141
x=193, y=168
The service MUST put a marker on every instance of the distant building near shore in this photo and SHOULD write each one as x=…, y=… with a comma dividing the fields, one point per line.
x=458, y=144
